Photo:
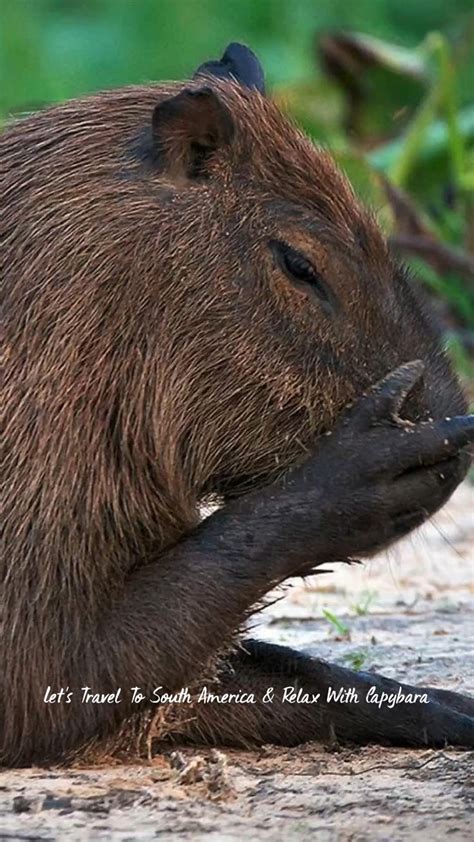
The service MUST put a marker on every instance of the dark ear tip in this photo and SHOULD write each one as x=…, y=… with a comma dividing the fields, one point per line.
x=235, y=48
x=238, y=63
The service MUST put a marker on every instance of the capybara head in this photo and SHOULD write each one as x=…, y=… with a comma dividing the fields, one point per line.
x=192, y=294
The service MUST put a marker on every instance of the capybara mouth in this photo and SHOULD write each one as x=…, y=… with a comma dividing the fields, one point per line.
x=449, y=473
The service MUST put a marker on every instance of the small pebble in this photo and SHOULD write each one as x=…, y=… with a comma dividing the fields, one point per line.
x=25, y=804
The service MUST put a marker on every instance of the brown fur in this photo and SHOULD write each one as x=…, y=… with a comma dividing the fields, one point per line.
x=154, y=355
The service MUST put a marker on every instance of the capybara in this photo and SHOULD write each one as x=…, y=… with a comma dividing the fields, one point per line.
x=197, y=307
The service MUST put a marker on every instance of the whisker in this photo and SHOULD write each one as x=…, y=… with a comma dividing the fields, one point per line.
x=445, y=538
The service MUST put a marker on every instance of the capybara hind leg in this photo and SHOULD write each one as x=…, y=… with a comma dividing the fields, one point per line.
x=299, y=698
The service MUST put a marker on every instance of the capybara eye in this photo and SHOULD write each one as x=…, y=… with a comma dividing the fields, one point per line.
x=298, y=268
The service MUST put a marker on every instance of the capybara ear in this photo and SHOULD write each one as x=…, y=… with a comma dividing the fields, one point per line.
x=239, y=64
x=188, y=129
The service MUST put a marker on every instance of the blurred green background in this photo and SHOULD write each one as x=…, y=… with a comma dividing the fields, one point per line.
x=386, y=84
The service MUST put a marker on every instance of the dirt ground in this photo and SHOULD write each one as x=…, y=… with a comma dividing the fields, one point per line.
x=408, y=616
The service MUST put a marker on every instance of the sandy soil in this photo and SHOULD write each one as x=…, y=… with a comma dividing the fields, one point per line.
x=409, y=617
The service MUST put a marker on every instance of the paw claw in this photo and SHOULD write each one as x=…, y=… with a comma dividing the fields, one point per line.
x=386, y=398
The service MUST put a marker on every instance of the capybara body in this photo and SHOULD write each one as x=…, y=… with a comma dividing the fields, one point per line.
x=191, y=296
